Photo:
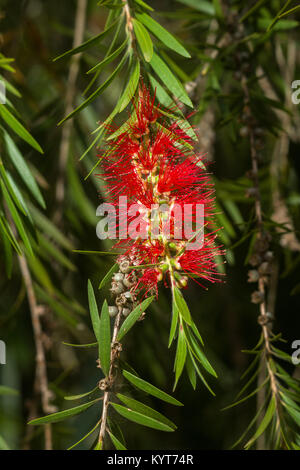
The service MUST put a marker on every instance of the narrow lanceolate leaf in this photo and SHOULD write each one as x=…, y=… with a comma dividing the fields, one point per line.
x=104, y=339
x=93, y=310
x=16, y=218
x=89, y=43
x=22, y=168
x=180, y=355
x=264, y=423
x=61, y=415
x=203, y=6
x=5, y=228
x=161, y=33
x=151, y=389
x=109, y=58
x=18, y=128
x=82, y=395
x=140, y=418
x=133, y=317
x=130, y=88
x=169, y=79
x=14, y=195
x=191, y=372
x=118, y=445
x=174, y=324
x=108, y=275
x=198, y=353
x=143, y=39
x=181, y=305
x=85, y=436
x=135, y=405
x=144, y=5
x=160, y=93
x=89, y=345
x=98, y=91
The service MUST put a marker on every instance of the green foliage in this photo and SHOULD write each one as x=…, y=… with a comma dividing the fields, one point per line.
x=199, y=57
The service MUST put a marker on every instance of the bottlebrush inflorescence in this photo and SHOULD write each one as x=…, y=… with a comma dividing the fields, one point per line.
x=153, y=165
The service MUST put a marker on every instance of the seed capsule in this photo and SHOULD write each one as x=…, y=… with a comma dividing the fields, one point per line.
x=118, y=277
x=117, y=287
x=126, y=311
x=112, y=311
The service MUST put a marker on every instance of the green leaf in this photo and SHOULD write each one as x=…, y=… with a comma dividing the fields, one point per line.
x=151, y=389
x=93, y=310
x=180, y=355
x=49, y=228
x=181, y=305
x=144, y=5
x=143, y=39
x=200, y=5
x=18, y=128
x=130, y=88
x=264, y=422
x=161, y=33
x=82, y=395
x=191, y=372
x=200, y=355
x=109, y=58
x=174, y=324
x=133, y=317
x=3, y=444
x=61, y=415
x=85, y=436
x=200, y=375
x=140, y=418
x=11, y=190
x=97, y=92
x=104, y=339
x=22, y=168
x=87, y=44
x=47, y=248
x=88, y=345
x=135, y=405
x=9, y=234
x=16, y=218
x=118, y=445
x=160, y=92
x=4, y=390
x=171, y=82
x=108, y=275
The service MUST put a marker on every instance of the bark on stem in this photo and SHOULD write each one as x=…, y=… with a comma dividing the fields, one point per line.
x=110, y=378
x=41, y=379
x=70, y=94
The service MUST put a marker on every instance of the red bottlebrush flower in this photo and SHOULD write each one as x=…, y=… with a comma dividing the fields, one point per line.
x=154, y=166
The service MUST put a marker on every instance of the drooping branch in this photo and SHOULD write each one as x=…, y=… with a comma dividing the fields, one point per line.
x=41, y=378
x=70, y=95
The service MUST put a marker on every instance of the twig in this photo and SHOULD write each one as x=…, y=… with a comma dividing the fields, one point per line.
x=263, y=319
x=70, y=94
x=41, y=379
x=110, y=378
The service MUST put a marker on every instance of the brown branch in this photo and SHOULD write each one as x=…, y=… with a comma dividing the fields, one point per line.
x=111, y=376
x=70, y=95
x=41, y=379
x=263, y=319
